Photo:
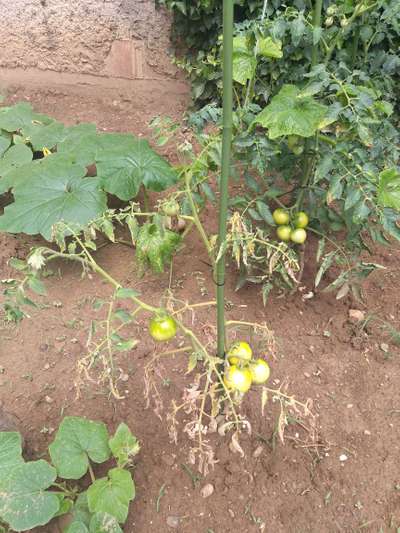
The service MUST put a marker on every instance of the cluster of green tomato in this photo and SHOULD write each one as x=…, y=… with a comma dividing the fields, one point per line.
x=291, y=230
x=242, y=371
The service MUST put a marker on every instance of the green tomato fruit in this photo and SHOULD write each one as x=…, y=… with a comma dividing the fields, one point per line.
x=281, y=216
x=331, y=10
x=238, y=379
x=298, y=236
x=283, y=233
x=260, y=371
x=171, y=208
x=162, y=328
x=300, y=220
x=239, y=352
x=329, y=22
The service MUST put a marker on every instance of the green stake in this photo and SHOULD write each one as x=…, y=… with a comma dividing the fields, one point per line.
x=226, y=163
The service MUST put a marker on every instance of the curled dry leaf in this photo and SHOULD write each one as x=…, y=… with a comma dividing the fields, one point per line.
x=235, y=446
x=224, y=428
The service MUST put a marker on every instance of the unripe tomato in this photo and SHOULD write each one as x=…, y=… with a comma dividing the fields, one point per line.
x=240, y=351
x=300, y=220
x=331, y=10
x=171, y=208
x=283, y=233
x=344, y=22
x=238, y=379
x=293, y=140
x=260, y=371
x=298, y=236
x=329, y=21
x=162, y=328
x=281, y=216
x=298, y=149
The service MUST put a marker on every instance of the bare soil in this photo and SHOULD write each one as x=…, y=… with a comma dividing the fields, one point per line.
x=290, y=488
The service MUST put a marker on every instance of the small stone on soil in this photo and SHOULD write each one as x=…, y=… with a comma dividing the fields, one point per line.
x=258, y=451
x=207, y=490
x=173, y=521
x=355, y=315
x=343, y=458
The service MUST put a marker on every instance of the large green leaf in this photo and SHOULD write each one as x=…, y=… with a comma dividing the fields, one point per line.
x=49, y=191
x=76, y=441
x=5, y=141
x=43, y=135
x=112, y=494
x=14, y=157
x=16, y=117
x=83, y=144
x=267, y=47
x=291, y=113
x=24, y=502
x=125, y=168
x=389, y=188
x=244, y=60
x=124, y=445
x=10, y=451
x=104, y=523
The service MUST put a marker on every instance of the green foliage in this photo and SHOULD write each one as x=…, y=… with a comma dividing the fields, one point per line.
x=389, y=188
x=50, y=190
x=155, y=246
x=124, y=445
x=10, y=450
x=316, y=135
x=112, y=494
x=78, y=440
x=24, y=487
x=292, y=113
x=30, y=496
x=44, y=164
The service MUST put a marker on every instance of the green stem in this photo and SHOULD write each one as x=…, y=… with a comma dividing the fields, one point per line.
x=308, y=161
x=316, y=22
x=146, y=201
x=226, y=161
x=91, y=473
x=195, y=216
x=354, y=46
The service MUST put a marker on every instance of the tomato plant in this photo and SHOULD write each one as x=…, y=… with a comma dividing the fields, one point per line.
x=31, y=497
x=315, y=130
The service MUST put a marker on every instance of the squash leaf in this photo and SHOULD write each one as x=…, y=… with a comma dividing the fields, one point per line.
x=77, y=441
x=123, y=445
x=124, y=169
x=48, y=191
x=291, y=113
x=10, y=451
x=24, y=488
x=112, y=494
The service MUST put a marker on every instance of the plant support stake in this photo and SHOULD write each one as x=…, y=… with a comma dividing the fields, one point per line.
x=226, y=163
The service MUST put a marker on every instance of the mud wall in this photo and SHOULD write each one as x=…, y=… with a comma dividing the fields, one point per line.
x=109, y=38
